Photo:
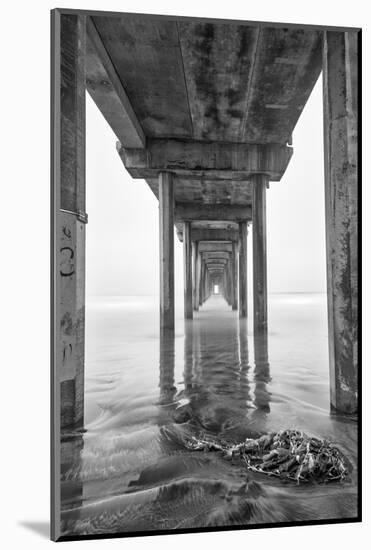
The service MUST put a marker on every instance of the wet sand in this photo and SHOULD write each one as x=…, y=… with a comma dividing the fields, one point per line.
x=130, y=471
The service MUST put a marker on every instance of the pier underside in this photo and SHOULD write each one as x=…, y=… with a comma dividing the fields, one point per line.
x=204, y=112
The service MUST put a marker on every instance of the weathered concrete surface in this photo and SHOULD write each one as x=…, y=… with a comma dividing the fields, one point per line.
x=198, y=280
x=187, y=262
x=194, y=274
x=195, y=212
x=70, y=310
x=216, y=253
x=146, y=54
x=234, y=266
x=260, y=256
x=229, y=282
x=341, y=188
x=202, y=282
x=166, y=218
x=213, y=234
x=242, y=266
x=205, y=191
x=212, y=160
x=215, y=268
x=71, y=357
x=107, y=91
x=167, y=366
x=210, y=231
x=213, y=80
x=205, y=246
x=217, y=97
x=211, y=261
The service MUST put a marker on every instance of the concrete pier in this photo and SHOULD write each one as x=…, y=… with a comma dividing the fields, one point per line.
x=166, y=217
x=259, y=183
x=340, y=95
x=203, y=112
x=223, y=148
x=71, y=219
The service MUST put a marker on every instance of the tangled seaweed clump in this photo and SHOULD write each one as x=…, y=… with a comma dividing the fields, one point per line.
x=288, y=454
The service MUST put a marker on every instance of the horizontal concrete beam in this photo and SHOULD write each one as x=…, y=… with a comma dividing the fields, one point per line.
x=211, y=160
x=206, y=246
x=215, y=255
x=208, y=224
x=211, y=235
x=216, y=262
x=214, y=235
x=108, y=93
x=218, y=212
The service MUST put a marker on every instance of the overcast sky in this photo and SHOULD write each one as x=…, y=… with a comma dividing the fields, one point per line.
x=122, y=233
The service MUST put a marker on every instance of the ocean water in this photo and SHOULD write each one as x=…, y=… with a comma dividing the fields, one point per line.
x=128, y=470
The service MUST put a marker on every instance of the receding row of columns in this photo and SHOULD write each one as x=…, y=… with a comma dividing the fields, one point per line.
x=341, y=185
x=197, y=279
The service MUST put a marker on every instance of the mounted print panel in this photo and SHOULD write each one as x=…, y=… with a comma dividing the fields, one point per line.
x=205, y=178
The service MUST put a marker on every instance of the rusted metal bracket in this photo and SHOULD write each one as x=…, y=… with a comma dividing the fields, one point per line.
x=80, y=215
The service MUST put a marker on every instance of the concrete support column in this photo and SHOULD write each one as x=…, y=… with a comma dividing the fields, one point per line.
x=234, y=276
x=69, y=224
x=340, y=94
x=194, y=272
x=229, y=282
x=204, y=290
x=225, y=291
x=261, y=373
x=208, y=285
x=197, y=279
x=166, y=216
x=188, y=357
x=242, y=267
x=222, y=286
x=259, y=183
x=166, y=367
x=187, y=262
x=201, y=286
x=226, y=284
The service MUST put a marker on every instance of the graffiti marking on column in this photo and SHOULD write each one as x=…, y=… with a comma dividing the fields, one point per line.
x=67, y=265
x=66, y=232
x=67, y=349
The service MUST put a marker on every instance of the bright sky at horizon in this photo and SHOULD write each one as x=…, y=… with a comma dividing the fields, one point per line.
x=122, y=233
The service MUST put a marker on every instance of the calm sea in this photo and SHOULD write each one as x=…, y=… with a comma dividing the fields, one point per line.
x=128, y=471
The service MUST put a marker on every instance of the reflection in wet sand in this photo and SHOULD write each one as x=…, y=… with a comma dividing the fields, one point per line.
x=71, y=483
x=130, y=470
x=166, y=364
x=261, y=378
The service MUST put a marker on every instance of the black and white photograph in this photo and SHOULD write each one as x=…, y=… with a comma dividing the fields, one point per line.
x=185, y=264
x=205, y=284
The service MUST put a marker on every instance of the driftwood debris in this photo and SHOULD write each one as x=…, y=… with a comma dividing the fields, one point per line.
x=288, y=454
